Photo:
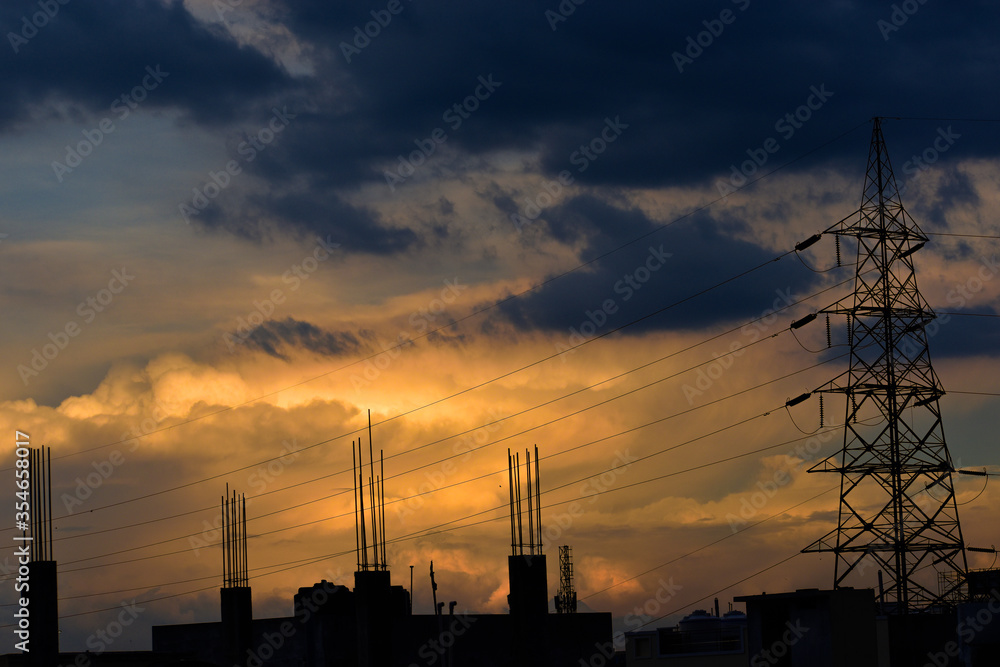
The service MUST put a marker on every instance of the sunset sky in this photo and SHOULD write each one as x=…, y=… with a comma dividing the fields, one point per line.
x=230, y=229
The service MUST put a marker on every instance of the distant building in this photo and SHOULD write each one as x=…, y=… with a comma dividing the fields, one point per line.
x=371, y=625
x=329, y=629
x=813, y=628
x=699, y=640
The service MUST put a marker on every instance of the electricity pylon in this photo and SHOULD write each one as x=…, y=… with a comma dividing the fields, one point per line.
x=897, y=500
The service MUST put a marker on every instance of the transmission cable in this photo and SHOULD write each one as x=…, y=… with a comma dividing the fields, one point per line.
x=472, y=429
x=711, y=544
x=278, y=530
x=487, y=308
x=446, y=398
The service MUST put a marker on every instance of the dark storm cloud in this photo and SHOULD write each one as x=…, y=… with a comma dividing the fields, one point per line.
x=90, y=53
x=305, y=215
x=953, y=192
x=274, y=336
x=644, y=94
x=605, y=61
x=964, y=335
x=665, y=267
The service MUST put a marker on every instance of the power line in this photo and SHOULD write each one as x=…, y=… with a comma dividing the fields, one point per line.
x=455, y=435
x=712, y=544
x=424, y=406
x=422, y=533
x=278, y=530
x=551, y=279
x=969, y=314
x=454, y=395
x=603, y=402
x=434, y=530
x=505, y=438
x=724, y=588
x=446, y=458
x=970, y=236
x=175, y=425
x=945, y=120
x=497, y=421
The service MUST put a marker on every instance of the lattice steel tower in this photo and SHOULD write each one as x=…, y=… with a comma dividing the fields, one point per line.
x=897, y=500
x=566, y=598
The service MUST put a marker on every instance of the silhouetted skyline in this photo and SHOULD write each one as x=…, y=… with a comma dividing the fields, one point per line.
x=229, y=230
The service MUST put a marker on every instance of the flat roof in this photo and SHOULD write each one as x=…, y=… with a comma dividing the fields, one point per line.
x=803, y=592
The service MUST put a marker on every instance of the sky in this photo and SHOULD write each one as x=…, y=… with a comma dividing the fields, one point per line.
x=231, y=229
